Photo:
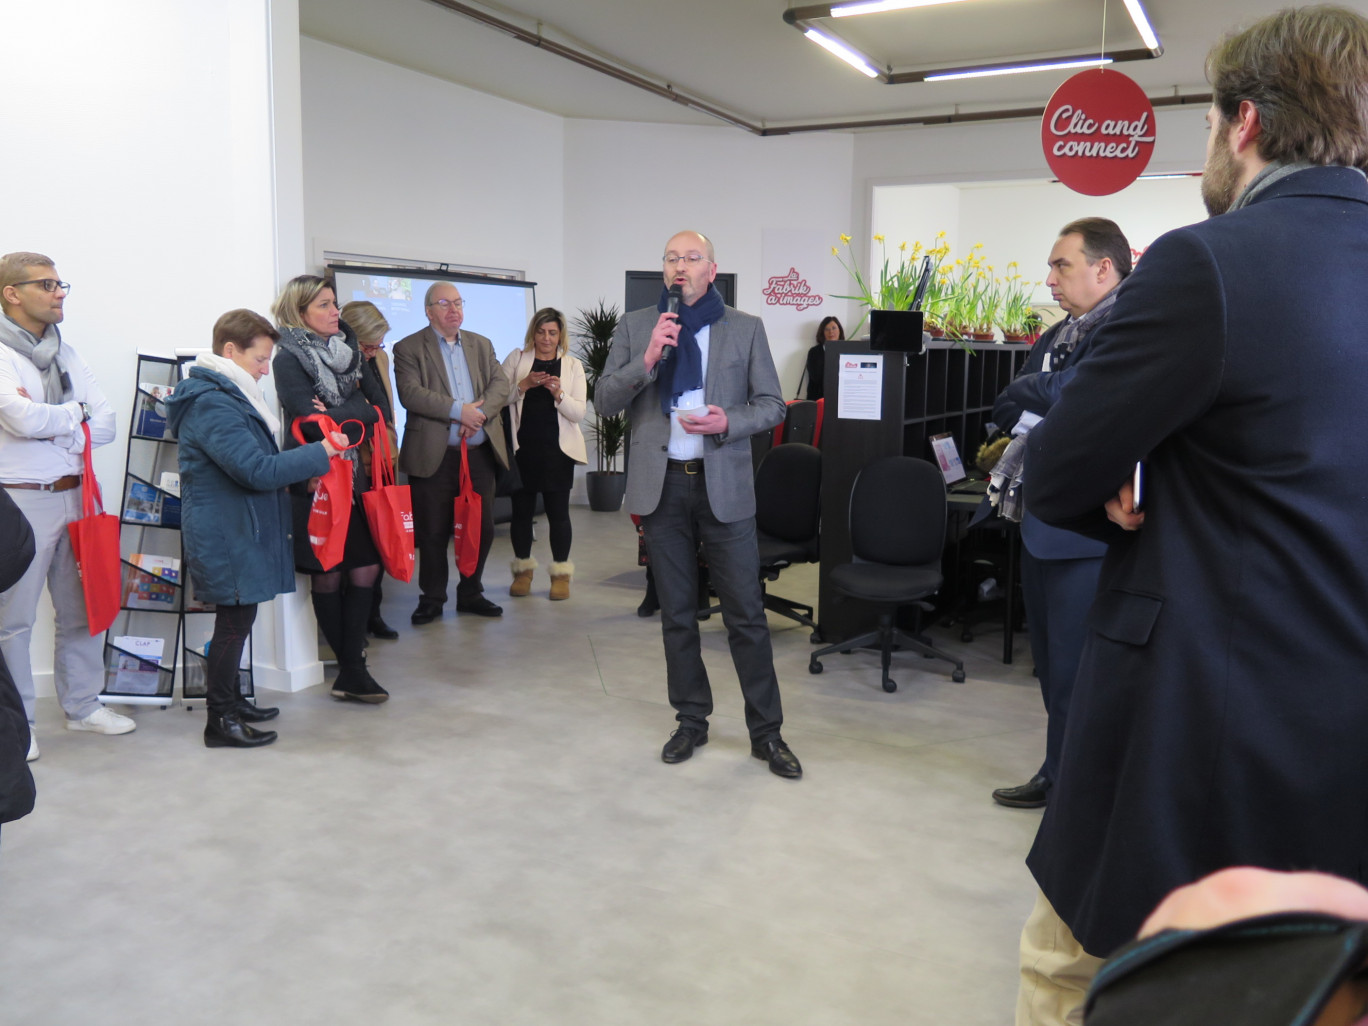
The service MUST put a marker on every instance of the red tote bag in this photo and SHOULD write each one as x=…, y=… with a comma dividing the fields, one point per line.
x=95, y=544
x=469, y=510
x=330, y=512
x=389, y=509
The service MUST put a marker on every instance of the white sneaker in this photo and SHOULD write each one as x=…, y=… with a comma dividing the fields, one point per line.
x=33, y=746
x=104, y=721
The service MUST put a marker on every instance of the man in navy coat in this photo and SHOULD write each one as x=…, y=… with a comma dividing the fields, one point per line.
x=1059, y=568
x=1220, y=713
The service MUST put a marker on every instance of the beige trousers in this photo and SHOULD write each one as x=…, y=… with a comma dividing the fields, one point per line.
x=1055, y=971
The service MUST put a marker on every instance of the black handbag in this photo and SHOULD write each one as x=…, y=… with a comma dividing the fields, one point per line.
x=507, y=480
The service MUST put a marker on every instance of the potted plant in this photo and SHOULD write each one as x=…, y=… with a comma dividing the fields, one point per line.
x=897, y=285
x=593, y=331
x=1015, y=316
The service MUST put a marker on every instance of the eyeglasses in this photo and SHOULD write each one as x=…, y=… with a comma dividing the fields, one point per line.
x=49, y=284
x=692, y=259
x=449, y=304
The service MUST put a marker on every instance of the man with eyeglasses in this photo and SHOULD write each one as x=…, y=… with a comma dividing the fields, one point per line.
x=698, y=384
x=450, y=383
x=46, y=392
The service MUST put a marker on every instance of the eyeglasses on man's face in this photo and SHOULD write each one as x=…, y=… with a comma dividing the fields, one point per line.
x=692, y=259
x=448, y=304
x=49, y=284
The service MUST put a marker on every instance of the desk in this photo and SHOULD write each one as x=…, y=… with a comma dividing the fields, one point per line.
x=965, y=504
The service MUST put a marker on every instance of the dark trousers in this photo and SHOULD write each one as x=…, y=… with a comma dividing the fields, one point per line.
x=681, y=520
x=434, y=521
x=232, y=627
x=557, y=506
x=1058, y=594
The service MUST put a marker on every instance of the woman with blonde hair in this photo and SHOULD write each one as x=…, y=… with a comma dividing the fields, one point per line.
x=547, y=407
x=319, y=369
x=370, y=326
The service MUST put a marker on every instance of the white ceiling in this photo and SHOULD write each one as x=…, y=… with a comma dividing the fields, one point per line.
x=741, y=57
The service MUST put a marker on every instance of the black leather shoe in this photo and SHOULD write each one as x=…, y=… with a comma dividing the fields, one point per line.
x=649, y=606
x=683, y=742
x=249, y=713
x=230, y=732
x=782, y=762
x=480, y=606
x=426, y=612
x=354, y=683
x=377, y=628
x=1031, y=795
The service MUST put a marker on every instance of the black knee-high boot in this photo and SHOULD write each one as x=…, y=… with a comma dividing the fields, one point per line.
x=353, y=679
x=327, y=607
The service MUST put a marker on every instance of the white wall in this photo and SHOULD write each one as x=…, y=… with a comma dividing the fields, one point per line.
x=140, y=156
x=448, y=173
x=401, y=164
x=629, y=187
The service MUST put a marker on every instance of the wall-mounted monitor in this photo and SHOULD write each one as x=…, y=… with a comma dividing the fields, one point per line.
x=643, y=288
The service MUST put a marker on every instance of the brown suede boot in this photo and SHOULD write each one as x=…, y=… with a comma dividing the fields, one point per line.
x=560, y=580
x=522, y=576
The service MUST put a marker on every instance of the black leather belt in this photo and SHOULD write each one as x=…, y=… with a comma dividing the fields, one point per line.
x=686, y=466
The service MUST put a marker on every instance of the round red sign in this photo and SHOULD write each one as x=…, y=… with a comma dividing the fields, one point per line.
x=1098, y=132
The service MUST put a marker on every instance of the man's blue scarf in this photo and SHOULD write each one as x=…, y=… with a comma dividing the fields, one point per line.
x=683, y=371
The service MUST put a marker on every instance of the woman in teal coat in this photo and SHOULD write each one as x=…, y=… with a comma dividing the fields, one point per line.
x=235, y=513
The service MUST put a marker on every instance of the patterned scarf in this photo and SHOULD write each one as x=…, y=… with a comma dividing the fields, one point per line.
x=1078, y=327
x=683, y=371
x=333, y=365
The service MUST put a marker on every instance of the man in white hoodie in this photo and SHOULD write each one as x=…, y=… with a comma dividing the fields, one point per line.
x=46, y=392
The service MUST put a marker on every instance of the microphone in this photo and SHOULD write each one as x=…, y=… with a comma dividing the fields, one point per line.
x=672, y=299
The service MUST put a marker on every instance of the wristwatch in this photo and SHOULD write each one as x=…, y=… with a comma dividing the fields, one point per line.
x=85, y=412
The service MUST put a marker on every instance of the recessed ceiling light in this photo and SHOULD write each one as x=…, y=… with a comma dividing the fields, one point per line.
x=1142, y=24
x=876, y=6
x=841, y=50
x=1017, y=69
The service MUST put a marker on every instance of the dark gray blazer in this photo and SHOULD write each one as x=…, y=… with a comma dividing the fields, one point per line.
x=740, y=378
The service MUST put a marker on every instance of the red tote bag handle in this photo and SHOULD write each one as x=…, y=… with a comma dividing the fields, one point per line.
x=325, y=424
x=382, y=460
x=92, y=502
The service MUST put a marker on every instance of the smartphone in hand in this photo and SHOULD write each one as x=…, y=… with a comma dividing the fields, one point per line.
x=1138, y=488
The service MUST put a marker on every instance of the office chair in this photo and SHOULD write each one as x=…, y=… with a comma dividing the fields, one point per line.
x=788, y=510
x=802, y=422
x=897, y=532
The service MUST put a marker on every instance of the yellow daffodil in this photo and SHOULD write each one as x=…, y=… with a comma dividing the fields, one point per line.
x=845, y=239
x=902, y=247
x=835, y=251
x=878, y=238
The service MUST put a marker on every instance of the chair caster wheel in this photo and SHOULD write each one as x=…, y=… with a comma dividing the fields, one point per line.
x=814, y=666
x=957, y=676
x=845, y=651
x=890, y=686
x=966, y=636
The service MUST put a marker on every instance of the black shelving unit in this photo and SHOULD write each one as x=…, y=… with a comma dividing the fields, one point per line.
x=943, y=388
x=159, y=602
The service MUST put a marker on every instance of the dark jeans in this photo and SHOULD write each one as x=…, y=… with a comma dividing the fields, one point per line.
x=557, y=505
x=434, y=521
x=1058, y=594
x=232, y=627
x=681, y=520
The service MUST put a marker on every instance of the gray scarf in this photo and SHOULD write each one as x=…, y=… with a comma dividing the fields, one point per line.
x=1077, y=327
x=42, y=353
x=1270, y=174
x=332, y=364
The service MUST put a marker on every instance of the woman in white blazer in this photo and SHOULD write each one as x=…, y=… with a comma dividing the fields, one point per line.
x=548, y=402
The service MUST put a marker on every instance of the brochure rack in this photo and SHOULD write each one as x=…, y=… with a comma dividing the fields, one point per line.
x=162, y=626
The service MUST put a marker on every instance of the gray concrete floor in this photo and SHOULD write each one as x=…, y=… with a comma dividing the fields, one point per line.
x=501, y=844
